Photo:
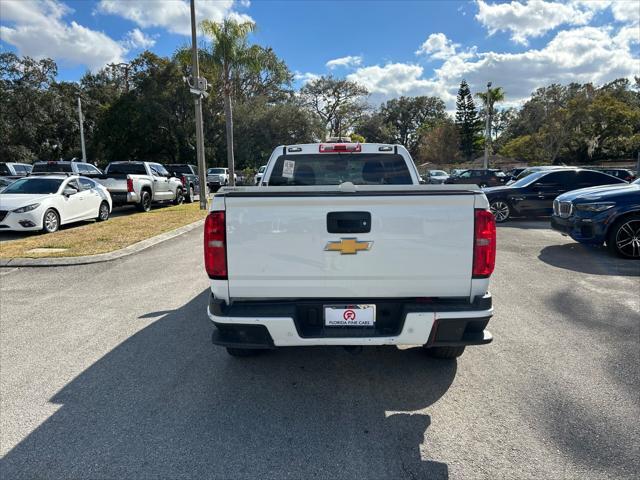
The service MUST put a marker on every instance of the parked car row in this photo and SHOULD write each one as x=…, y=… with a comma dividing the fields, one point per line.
x=56, y=193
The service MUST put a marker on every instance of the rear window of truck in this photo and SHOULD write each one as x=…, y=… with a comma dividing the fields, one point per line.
x=53, y=167
x=336, y=168
x=126, y=168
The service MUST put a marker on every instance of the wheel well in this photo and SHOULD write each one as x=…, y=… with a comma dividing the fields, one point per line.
x=55, y=210
x=146, y=189
x=618, y=218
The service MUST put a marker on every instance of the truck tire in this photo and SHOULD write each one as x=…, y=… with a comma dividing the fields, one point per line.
x=445, y=352
x=244, y=352
x=144, y=205
x=192, y=195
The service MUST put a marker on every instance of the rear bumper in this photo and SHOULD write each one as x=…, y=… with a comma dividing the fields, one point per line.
x=450, y=322
x=121, y=198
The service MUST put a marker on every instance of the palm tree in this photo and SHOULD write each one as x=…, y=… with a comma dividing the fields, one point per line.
x=489, y=99
x=230, y=51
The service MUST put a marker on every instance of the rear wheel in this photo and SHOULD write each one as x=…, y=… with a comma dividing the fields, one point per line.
x=501, y=210
x=145, y=201
x=103, y=212
x=624, y=237
x=179, y=197
x=50, y=221
x=244, y=352
x=192, y=195
x=445, y=352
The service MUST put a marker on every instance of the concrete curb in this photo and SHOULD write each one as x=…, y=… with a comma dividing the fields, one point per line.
x=101, y=257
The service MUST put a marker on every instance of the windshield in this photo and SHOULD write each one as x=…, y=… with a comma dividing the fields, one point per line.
x=216, y=171
x=34, y=186
x=52, y=167
x=436, y=173
x=527, y=179
x=262, y=169
x=126, y=168
x=334, y=169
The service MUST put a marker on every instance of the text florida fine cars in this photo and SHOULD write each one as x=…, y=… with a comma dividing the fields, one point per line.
x=597, y=215
x=342, y=246
x=46, y=202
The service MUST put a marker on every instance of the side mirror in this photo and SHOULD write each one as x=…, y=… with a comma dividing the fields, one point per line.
x=69, y=191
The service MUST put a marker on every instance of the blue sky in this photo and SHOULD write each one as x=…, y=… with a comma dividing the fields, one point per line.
x=392, y=47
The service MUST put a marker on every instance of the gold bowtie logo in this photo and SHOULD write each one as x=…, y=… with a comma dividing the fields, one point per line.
x=348, y=246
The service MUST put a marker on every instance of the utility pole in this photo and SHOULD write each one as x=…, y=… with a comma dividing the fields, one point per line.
x=487, y=126
x=198, y=89
x=80, y=119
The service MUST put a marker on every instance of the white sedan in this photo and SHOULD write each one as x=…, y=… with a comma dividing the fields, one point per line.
x=46, y=202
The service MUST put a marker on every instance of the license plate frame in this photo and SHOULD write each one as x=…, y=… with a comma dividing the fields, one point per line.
x=361, y=315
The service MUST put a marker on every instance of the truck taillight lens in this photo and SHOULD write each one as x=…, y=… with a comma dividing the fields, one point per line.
x=215, y=246
x=183, y=179
x=340, y=147
x=129, y=185
x=484, y=244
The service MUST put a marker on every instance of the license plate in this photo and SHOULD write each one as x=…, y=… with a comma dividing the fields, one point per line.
x=349, y=315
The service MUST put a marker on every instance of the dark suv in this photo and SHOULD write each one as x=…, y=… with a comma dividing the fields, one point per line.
x=533, y=195
x=482, y=178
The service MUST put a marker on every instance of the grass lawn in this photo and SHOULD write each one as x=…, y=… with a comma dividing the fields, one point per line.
x=101, y=237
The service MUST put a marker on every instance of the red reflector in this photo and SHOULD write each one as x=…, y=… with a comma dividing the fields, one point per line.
x=484, y=244
x=340, y=147
x=183, y=179
x=129, y=185
x=215, y=246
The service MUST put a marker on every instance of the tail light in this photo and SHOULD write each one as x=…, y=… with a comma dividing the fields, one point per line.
x=183, y=179
x=129, y=185
x=215, y=246
x=484, y=244
x=340, y=147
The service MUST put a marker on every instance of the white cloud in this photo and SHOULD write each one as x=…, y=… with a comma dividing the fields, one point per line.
x=348, y=61
x=136, y=38
x=438, y=46
x=585, y=54
x=38, y=30
x=393, y=80
x=173, y=15
x=306, y=77
x=532, y=18
x=626, y=11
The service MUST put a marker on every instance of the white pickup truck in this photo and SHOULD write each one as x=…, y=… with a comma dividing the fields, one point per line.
x=141, y=184
x=341, y=245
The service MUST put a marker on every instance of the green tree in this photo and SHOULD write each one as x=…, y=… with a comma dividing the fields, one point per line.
x=440, y=143
x=404, y=118
x=230, y=52
x=338, y=103
x=467, y=121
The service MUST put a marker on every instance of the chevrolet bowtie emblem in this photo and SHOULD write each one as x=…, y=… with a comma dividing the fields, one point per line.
x=348, y=246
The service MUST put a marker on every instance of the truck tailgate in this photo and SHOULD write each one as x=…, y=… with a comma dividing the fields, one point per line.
x=114, y=184
x=421, y=246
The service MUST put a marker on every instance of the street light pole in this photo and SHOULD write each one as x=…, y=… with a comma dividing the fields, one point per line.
x=487, y=126
x=84, y=152
x=198, y=105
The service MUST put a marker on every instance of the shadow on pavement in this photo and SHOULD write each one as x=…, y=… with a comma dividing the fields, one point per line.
x=593, y=260
x=527, y=224
x=166, y=403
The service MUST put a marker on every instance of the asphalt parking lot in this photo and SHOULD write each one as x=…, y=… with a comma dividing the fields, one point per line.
x=107, y=372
